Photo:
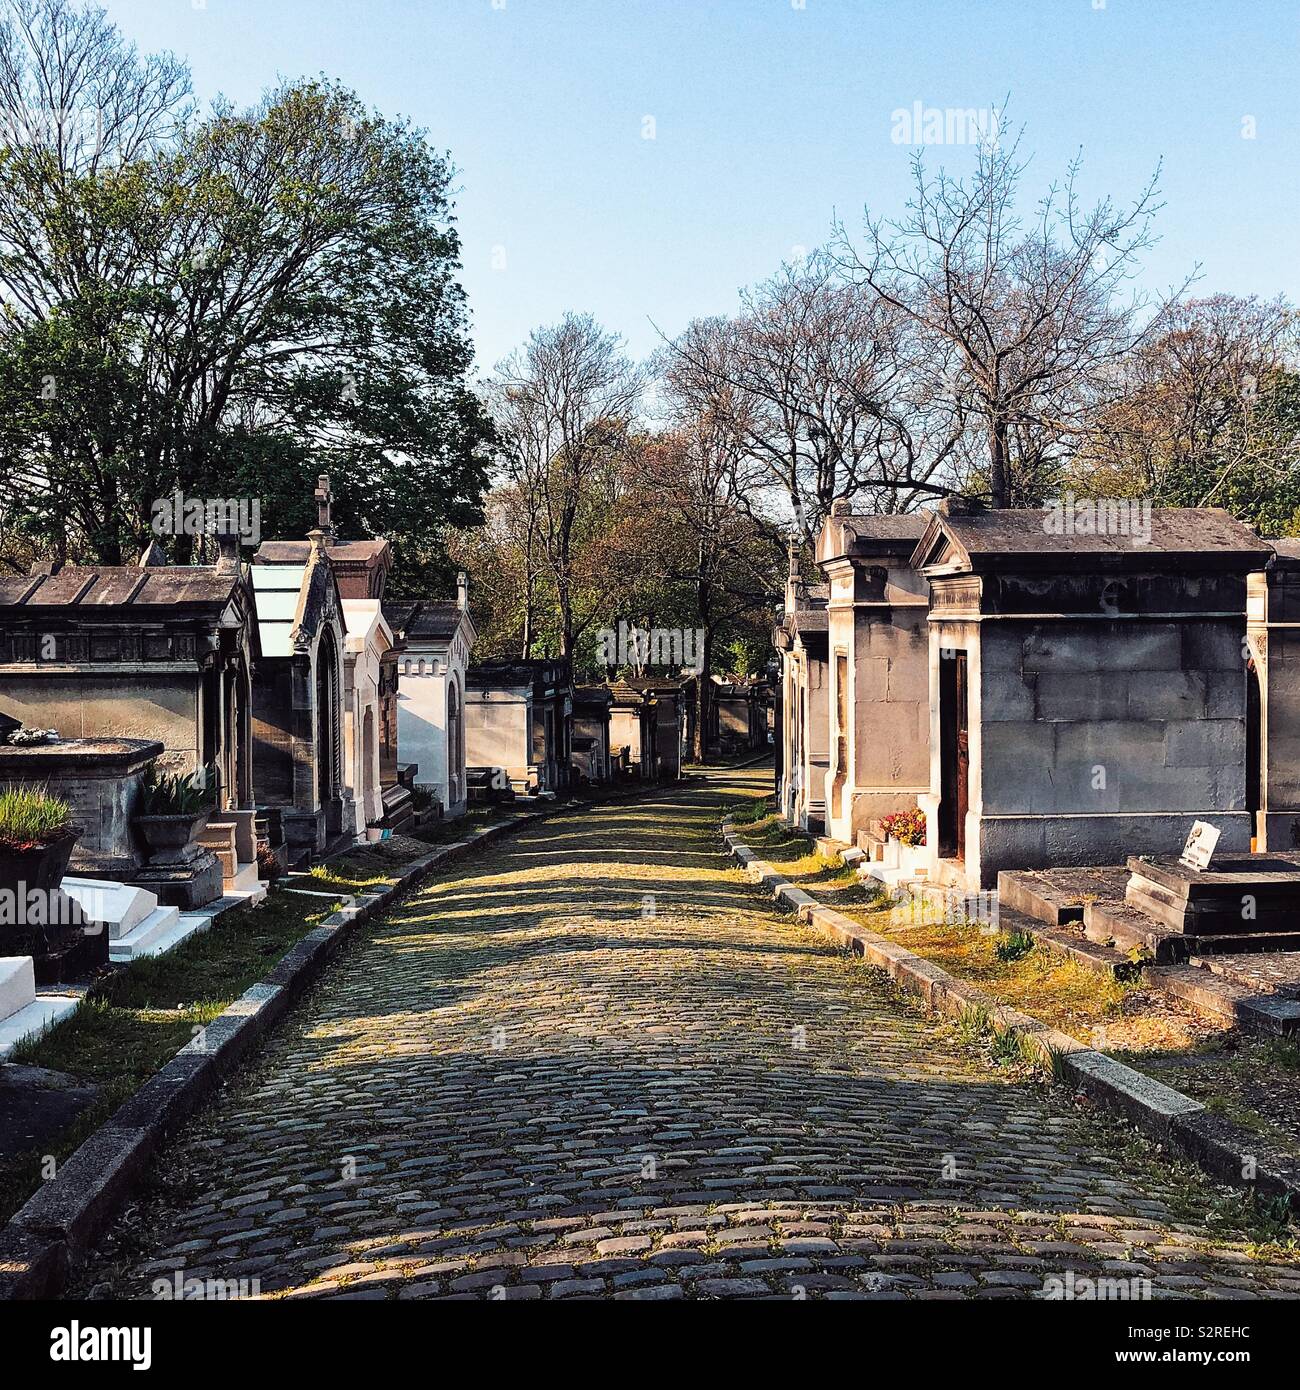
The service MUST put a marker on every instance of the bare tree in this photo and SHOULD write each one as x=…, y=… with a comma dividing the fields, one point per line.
x=76, y=101
x=562, y=404
x=1187, y=418
x=1027, y=316
x=704, y=540
x=820, y=383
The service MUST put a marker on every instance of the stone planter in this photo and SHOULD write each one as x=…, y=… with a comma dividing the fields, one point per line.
x=41, y=868
x=173, y=840
x=43, y=923
x=911, y=860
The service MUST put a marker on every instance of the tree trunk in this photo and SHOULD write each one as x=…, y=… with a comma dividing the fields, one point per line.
x=703, y=689
x=998, y=461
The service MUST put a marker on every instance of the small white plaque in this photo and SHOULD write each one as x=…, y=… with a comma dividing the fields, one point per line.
x=1200, y=846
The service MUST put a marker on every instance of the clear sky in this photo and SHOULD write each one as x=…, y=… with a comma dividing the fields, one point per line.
x=768, y=117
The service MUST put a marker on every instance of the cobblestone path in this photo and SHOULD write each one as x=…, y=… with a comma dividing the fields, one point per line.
x=597, y=1064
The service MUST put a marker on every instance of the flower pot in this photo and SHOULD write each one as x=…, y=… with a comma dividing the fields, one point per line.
x=173, y=839
x=39, y=867
x=37, y=921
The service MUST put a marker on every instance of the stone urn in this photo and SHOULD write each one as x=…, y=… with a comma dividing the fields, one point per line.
x=173, y=839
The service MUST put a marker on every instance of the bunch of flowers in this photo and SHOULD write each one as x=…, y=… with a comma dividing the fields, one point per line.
x=907, y=827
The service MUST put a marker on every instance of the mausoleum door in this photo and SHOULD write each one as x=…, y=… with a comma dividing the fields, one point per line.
x=1254, y=743
x=327, y=720
x=954, y=753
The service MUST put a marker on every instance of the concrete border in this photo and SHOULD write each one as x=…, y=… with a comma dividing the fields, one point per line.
x=1224, y=1150
x=48, y=1238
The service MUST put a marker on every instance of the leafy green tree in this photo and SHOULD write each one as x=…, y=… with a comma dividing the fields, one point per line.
x=230, y=305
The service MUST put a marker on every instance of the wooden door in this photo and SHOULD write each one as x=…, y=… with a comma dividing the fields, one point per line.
x=954, y=753
x=962, y=797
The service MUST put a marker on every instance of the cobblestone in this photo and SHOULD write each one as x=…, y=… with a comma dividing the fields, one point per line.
x=596, y=1063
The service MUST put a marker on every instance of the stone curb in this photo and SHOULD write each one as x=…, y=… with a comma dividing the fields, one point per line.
x=1225, y=1150
x=46, y=1240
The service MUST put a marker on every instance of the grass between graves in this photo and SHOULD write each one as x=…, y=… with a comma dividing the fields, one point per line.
x=1254, y=1082
x=135, y=1020
x=1014, y=971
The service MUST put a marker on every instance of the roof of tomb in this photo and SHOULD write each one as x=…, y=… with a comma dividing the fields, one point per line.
x=846, y=534
x=98, y=588
x=1052, y=537
x=436, y=618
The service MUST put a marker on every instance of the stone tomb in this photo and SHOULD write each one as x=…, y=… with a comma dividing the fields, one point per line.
x=298, y=699
x=519, y=717
x=1248, y=895
x=1088, y=693
x=878, y=641
x=669, y=697
x=633, y=726
x=372, y=792
x=591, y=740
x=804, y=750
x=117, y=654
x=435, y=638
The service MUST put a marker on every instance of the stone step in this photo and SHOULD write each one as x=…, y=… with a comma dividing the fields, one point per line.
x=1125, y=928
x=1061, y=941
x=17, y=983
x=1274, y=973
x=1059, y=896
x=245, y=880
x=24, y=1013
x=1209, y=993
x=159, y=932
x=121, y=907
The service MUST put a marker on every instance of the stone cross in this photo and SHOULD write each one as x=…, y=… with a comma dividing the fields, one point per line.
x=323, y=498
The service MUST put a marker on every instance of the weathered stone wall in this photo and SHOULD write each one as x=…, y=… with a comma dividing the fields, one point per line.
x=498, y=731
x=114, y=705
x=1084, y=718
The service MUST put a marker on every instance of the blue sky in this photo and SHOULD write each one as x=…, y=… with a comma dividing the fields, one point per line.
x=769, y=116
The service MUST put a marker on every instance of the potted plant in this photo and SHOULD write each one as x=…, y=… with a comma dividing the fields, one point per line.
x=907, y=827
x=171, y=812
x=36, y=839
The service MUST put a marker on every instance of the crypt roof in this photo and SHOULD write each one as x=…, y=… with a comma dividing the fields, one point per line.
x=293, y=603
x=592, y=696
x=437, y=618
x=544, y=674
x=666, y=685
x=102, y=588
x=361, y=567
x=1046, y=538
x=624, y=693
x=849, y=534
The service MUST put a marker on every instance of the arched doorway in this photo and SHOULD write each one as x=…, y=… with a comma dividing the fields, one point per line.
x=328, y=752
x=369, y=767
x=455, y=743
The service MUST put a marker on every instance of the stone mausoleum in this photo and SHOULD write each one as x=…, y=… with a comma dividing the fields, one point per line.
x=878, y=662
x=1089, y=693
x=804, y=749
x=436, y=638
